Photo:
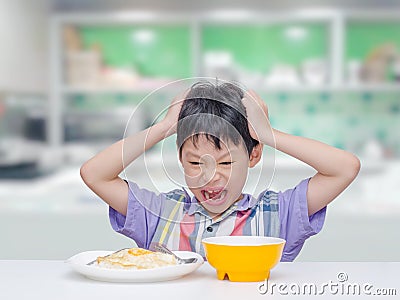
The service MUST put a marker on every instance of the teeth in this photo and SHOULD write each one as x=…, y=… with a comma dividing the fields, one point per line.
x=209, y=195
x=220, y=196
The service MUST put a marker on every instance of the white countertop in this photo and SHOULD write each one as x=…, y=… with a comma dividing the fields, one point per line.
x=43, y=279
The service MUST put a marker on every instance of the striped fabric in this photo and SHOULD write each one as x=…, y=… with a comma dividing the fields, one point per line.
x=183, y=223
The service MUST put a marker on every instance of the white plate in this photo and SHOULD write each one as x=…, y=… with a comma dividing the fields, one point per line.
x=79, y=262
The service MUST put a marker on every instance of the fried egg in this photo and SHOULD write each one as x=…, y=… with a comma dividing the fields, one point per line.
x=136, y=258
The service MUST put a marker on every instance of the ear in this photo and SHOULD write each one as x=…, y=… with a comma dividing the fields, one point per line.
x=255, y=155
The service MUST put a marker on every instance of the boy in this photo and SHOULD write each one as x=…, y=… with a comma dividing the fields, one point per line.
x=217, y=144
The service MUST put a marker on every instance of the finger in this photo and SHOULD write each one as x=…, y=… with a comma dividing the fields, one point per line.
x=181, y=96
x=247, y=99
x=252, y=96
x=260, y=102
x=179, y=99
x=185, y=93
x=256, y=98
x=252, y=132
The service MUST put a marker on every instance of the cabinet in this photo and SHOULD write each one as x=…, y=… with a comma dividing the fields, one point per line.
x=323, y=49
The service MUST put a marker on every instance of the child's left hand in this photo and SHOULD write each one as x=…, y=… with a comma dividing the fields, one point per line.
x=257, y=117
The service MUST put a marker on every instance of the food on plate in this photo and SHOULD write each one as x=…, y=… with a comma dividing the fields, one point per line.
x=136, y=258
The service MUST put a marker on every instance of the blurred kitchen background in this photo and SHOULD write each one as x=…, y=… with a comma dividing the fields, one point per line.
x=72, y=72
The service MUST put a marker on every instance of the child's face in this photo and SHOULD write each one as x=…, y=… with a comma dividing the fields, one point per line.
x=216, y=177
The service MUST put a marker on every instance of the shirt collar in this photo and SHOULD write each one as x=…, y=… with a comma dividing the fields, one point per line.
x=193, y=206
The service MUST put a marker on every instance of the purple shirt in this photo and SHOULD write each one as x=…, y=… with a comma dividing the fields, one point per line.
x=180, y=222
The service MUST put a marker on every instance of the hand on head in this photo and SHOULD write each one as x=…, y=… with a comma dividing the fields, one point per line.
x=171, y=118
x=257, y=116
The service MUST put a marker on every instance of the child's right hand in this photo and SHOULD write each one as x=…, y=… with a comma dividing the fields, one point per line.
x=171, y=118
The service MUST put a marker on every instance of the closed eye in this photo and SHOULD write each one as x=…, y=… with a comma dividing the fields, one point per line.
x=195, y=163
x=225, y=163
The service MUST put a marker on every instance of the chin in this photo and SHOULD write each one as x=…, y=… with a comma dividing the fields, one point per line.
x=216, y=210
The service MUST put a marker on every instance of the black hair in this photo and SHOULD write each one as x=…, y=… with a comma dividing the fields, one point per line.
x=216, y=112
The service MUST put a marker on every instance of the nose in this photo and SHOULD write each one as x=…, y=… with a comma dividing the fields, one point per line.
x=211, y=174
x=208, y=172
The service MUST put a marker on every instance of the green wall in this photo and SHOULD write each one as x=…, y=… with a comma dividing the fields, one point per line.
x=362, y=37
x=259, y=47
x=169, y=53
x=255, y=47
x=355, y=117
x=164, y=50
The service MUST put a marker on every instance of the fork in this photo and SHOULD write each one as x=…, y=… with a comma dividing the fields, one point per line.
x=161, y=248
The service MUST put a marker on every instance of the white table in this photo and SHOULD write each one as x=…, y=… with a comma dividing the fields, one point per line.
x=43, y=280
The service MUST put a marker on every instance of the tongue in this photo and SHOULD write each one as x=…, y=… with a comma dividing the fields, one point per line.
x=215, y=195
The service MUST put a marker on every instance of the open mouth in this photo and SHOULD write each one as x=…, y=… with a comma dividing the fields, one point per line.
x=213, y=196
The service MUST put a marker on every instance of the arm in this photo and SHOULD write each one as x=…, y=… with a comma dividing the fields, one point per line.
x=336, y=168
x=101, y=173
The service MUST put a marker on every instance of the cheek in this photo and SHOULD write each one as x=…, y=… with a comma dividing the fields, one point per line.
x=237, y=180
x=192, y=176
x=238, y=174
x=191, y=171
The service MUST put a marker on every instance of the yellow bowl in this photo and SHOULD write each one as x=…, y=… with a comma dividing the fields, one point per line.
x=243, y=258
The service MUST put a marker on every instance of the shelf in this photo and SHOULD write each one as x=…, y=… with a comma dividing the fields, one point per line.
x=332, y=88
x=392, y=87
x=191, y=29
x=379, y=87
x=116, y=90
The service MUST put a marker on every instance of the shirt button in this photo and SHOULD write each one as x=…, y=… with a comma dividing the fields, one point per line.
x=209, y=229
